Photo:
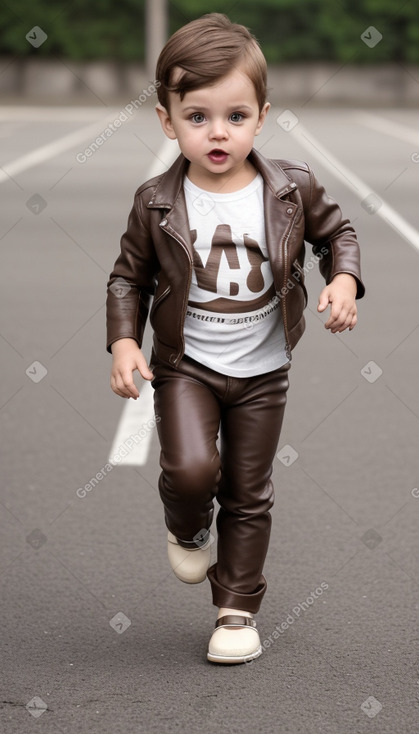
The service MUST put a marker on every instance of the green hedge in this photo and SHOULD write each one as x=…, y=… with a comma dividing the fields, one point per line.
x=288, y=30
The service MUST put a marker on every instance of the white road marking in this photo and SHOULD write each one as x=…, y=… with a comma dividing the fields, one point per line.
x=74, y=139
x=51, y=150
x=131, y=444
x=358, y=186
x=395, y=129
x=165, y=157
x=140, y=412
x=30, y=113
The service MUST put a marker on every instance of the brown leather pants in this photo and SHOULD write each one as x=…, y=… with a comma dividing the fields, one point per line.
x=194, y=404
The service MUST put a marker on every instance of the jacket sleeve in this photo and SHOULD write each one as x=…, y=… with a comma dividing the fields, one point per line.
x=131, y=283
x=333, y=237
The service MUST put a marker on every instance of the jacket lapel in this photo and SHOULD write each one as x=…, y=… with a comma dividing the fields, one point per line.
x=169, y=195
x=279, y=212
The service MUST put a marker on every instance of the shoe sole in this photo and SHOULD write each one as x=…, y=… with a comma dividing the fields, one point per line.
x=231, y=659
x=193, y=580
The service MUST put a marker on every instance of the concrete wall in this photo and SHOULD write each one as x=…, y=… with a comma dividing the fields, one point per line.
x=69, y=82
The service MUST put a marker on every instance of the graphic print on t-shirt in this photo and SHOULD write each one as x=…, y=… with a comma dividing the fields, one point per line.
x=233, y=272
x=233, y=321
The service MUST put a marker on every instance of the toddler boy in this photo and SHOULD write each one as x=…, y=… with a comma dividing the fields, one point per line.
x=219, y=242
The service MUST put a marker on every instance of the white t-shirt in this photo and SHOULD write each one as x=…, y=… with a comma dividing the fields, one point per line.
x=233, y=322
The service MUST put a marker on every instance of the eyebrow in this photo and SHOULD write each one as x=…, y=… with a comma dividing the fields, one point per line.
x=206, y=109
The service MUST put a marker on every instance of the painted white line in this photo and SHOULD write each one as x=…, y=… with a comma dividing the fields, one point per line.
x=140, y=412
x=358, y=186
x=388, y=127
x=46, y=152
x=72, y=140
x=135, y=430
x=164, y=158
x=32, y=113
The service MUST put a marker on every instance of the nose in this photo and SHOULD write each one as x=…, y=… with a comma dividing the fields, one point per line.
x=218, y=130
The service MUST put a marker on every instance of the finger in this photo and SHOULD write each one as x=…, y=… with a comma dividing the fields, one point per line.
x=334, y=316
x=126, y=386
x=341, y=328
x=337, y=325
x=119, y=386
x=349, y=321
x=354, y=322
x=121, y=392
x=323, y=301
x=344, y=323
x=144, y=369
x=116, y=390
x=340, y=325
x=114, y=385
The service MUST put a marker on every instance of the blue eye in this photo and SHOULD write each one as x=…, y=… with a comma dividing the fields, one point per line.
x=198, y=117
x=236, y=117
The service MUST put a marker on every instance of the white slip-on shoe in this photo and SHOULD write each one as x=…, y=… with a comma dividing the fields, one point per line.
x=235, y=640
x=190, y=566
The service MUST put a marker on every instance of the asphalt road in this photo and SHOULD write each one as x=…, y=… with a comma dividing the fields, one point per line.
x=98, y=635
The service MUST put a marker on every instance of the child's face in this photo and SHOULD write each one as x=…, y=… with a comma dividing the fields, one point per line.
x=215, y=127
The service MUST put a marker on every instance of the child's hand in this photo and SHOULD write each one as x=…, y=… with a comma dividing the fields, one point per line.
x=127, y=357
x=340, y=293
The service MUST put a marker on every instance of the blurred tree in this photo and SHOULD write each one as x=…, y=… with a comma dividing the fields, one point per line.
x=76, y=30
x=288, y=30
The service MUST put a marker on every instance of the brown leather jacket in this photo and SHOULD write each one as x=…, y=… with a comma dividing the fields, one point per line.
x=156, y=256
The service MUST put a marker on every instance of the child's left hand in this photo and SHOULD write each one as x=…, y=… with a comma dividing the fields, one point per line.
x=340, y=293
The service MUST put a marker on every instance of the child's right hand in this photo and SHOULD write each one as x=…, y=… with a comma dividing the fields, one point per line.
x=127, y=357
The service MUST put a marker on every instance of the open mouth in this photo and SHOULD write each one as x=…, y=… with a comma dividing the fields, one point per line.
x=217, y=155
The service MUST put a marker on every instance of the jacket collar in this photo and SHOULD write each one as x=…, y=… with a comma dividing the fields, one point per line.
x=171, y=183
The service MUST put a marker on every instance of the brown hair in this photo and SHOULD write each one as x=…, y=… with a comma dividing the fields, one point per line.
x=206, y=50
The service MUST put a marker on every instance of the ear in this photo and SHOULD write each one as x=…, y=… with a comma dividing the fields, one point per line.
x=262, y=117
x=165, y=121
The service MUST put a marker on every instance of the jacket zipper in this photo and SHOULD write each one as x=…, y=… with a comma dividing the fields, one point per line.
x=284, y=299
x=161, y=296
x=185, y=300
